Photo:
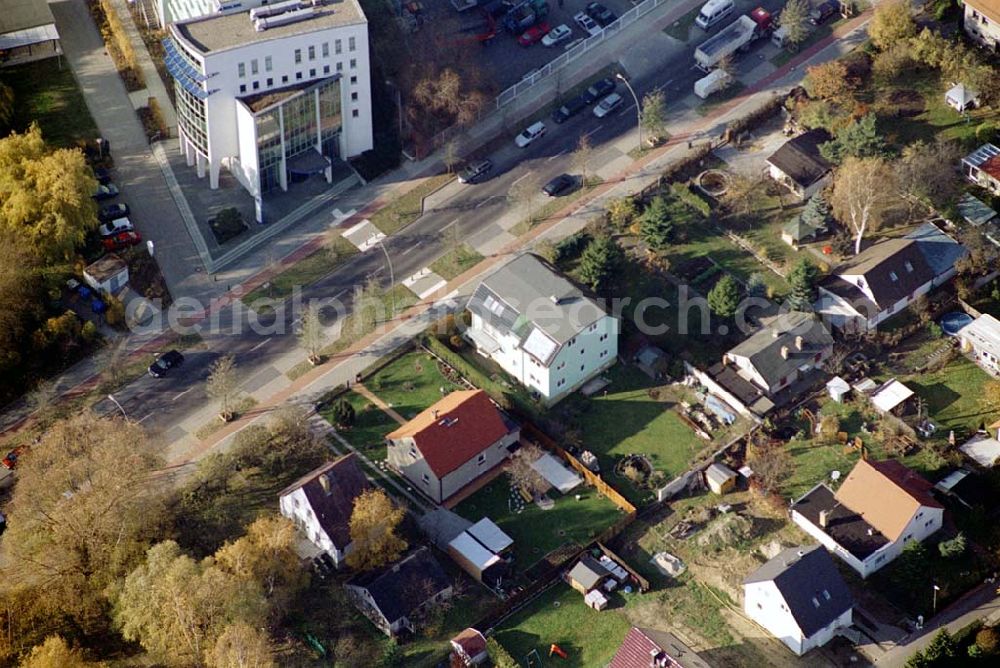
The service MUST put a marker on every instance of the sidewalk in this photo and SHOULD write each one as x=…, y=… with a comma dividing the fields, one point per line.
x=154, y=84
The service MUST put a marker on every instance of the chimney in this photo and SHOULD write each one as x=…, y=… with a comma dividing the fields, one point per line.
x=871, y=532
x=784, y=352
x=555, y=300
x=775, y=333
x=801, y=553
x=799, y=341
x=324, y=482
x=824, y=518
x=435, y=413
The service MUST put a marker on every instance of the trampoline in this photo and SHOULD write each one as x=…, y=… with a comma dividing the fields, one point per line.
x=954, y=321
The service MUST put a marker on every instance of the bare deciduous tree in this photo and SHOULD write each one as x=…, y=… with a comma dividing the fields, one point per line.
x=862, y=193
x=311, y=335
x=222, y=385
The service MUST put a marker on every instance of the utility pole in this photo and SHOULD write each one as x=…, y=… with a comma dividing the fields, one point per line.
x=638, y=107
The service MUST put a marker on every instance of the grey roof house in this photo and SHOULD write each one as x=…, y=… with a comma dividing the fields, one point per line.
x=394, y=597
x=887, y=277
x=541, y=328
x=798, y=164
x=799, y=597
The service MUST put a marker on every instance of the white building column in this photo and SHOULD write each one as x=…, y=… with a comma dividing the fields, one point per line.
x=200, y=161
x=283, y=174
x=213, y=174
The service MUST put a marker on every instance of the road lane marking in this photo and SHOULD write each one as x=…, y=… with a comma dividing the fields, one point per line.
x=450, y=224
x=410, y=249
x=149, y=415
x=483, y=203
x=182, y=394
x=587, y=134
x=560, y=153
x=265, y=341
x=520, y=179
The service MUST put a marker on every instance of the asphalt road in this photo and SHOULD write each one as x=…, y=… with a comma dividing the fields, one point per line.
x=161, y=403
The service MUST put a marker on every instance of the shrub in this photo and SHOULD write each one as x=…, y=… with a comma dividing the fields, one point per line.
x=499, y=655
x=343, y=413
x=988, y=640
x=950, y=549
x=89, y=332
x=692, y=199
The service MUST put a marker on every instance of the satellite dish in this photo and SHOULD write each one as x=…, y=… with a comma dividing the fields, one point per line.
x=835, y=475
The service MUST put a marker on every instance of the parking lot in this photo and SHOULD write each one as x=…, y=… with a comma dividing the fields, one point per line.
x=502, y=60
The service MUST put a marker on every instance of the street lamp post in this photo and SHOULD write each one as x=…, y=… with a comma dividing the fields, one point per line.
x=392, y=276
x=115, y=402
x=638, y=107
x=934, y=606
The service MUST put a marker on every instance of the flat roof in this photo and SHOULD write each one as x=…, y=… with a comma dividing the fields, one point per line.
x=226, y=31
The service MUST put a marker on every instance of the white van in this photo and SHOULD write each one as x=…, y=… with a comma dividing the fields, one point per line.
x=713, y=12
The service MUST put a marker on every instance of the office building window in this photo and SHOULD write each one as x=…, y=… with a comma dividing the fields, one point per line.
x=298, y=76
x=256, y=85
x=242, y=68
x=354, y=113
x=326, y=49
x=298, y=56
x=354, y=80
x=312, y=53
x=312, y=72
x=354, y=63
x=243, y=88
x=337, y=46
x=340, y=67
x=267, y=63
x=270, y=82
x=351, y=44
x=354, y=97
x=326, y=69
x=253, y=66
x=284, y=78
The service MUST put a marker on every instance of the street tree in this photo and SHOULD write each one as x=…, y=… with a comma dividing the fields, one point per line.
x=802, y=279
x=176, y=607
x=56, y=653
x=45, y=195
x=794, y=19
x=862, y=193
x=724, y=297
x=654, y=116
x=830, y=81
x=373, y=525
x=450, y=155
x=311, y=335
x=892, y=23
x=223, y=386
x=523, y=195
x=600, y=261
x=656, y=225
x=82, y=514
x=582, y=157
x=369, y=307
x=240, y=645
x=113, y=364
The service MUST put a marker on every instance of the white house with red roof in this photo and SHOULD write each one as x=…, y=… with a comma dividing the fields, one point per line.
x=455, y=441
x=320, y=504
x=649, y=648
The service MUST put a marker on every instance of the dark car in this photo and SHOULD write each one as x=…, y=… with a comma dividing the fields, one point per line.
x=104, y=192
x=824, y=11
x=165, y=363
x=113, y=212
x=102, y=175
x=600, y=90
x=571, y=107
x=558, y=185
x=475, y=172
x=601, y=14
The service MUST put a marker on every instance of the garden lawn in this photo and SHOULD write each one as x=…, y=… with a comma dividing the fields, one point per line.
x=456, y=261
x=48, y=94
x=410, y=383
x=628, y=421
x=953, y=397
x=537, y=532
x=404, y=210
x=370, y=427
x=559, y=617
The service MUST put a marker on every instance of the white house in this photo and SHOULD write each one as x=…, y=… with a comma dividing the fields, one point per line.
x=540, y=328
x=27, y=32
x=799, y=597
x=960, y=97
x=982, y=21
x=887, y=277
x=799, y=166
x=452, y=443
x=981, y=339
x=108, y=274
x=274, y=92
x=320, y=504
x=879, y=508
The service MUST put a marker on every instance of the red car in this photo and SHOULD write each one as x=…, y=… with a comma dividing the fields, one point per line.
x=534, y=34
x=122, y=240
x=10, y=461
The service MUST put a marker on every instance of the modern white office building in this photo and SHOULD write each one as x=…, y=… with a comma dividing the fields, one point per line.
x=270, y=91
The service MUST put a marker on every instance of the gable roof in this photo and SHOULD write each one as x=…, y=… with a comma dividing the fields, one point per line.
x=332, y=500
x=983, y=333
x=798, y=229
x=641, y=645
x=843, y=525
x=939, y=249
x=763, y=348
x=530, y=300
x=811, y=585
x=490, y=535
x=588, y=572
x=886, y=495
x=892, y=269
x=800, y=160
x=400, y=589
x=454, y=430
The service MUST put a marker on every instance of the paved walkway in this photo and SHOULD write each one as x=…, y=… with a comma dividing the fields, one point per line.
x=155, y=87
x=375, y=399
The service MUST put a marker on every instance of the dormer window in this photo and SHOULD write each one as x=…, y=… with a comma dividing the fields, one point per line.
x=893, y=276
x=909, y=267
x=815, y=601
x=826, y=594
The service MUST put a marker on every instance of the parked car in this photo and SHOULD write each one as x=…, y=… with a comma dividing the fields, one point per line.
x=106, y=191
x=534, y=34
x=121, y=240
x=575, y=43
x=102, y=175
x=600, y=13
x=475, y=172
x=558, y=185
x=571, y=107
x=10, y=461
x=588, y=24
x=607, y=105
x=560, y=33
x=824, y=11
x=116, y=226
x=112, y=212
x=165, y=363
x=600, y=88
x=530, y=134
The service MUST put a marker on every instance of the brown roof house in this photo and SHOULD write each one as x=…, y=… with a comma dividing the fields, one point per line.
x=394, y=598
x=879, y=508
x=887, y=277
x=649, y=648
x=798, y=165
x=320, y=503
x=452, y=443
x=469, y=647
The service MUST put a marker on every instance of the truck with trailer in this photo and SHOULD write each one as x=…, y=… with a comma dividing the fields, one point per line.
x=737, y=36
